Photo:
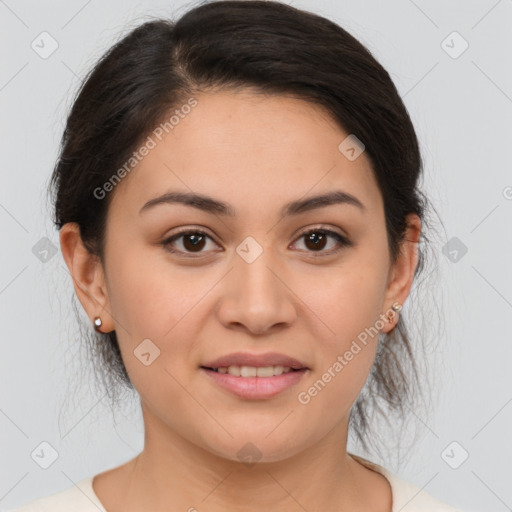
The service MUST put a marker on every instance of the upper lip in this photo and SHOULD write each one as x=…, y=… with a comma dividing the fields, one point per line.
x=248, y=359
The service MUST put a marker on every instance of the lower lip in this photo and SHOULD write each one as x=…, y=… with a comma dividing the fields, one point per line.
x=255, y=388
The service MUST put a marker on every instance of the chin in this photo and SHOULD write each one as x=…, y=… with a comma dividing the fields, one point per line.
x=250, y=450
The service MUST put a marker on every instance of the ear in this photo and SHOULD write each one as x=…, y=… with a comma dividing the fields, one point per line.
x=88, y=277
x=402, y=272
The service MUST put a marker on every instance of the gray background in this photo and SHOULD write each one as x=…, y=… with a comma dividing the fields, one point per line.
x=461, y=105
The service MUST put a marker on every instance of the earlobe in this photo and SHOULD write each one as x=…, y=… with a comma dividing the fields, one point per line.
x=87, y=273
x=402, y=273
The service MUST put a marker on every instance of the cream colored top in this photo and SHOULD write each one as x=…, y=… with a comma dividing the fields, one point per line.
x=407, y=497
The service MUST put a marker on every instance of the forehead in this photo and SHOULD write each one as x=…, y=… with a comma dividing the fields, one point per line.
x=252, y=149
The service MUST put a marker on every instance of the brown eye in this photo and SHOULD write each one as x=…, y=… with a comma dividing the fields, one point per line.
x=315, y=240
x=193, y=241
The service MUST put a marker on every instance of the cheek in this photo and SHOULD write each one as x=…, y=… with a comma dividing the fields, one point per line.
x=349, y=300
x=149, y=307
x=344, y=357
x=150, y=299
x=147, y=295
x=349, y=308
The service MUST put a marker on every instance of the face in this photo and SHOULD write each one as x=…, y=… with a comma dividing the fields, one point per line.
x=304, y=285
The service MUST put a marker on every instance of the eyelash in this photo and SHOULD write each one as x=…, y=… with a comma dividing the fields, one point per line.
x=343, y=241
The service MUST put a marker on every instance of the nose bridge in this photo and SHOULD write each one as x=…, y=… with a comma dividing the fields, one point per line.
x=256, y=297
x=254, y=265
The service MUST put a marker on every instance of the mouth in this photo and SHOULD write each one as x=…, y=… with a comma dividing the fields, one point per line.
x=254, y=371
x=254, y=383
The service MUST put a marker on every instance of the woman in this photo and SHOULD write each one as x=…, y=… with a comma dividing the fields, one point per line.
x=238, y=204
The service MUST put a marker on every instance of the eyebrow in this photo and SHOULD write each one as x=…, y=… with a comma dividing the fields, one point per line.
x=211, y=205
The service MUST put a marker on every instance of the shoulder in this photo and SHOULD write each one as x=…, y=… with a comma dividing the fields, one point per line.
x=79, y=498
x=408, y=497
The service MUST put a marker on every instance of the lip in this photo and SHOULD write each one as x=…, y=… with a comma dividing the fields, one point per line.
x=255, y=388
x=257, y=360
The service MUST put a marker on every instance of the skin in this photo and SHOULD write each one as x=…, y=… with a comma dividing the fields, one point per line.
x=256, y=153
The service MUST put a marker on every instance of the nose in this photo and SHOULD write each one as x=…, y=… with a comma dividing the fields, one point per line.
x=257, y=294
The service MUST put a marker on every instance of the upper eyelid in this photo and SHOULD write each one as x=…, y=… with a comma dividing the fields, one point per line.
x=300, y=232
x=329, y=231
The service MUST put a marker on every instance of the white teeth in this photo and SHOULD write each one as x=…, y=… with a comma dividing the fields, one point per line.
x=253, y=371
x=234, y=370
x=268, y=371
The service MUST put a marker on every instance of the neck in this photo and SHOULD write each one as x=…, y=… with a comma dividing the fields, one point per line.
x=173, y=471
